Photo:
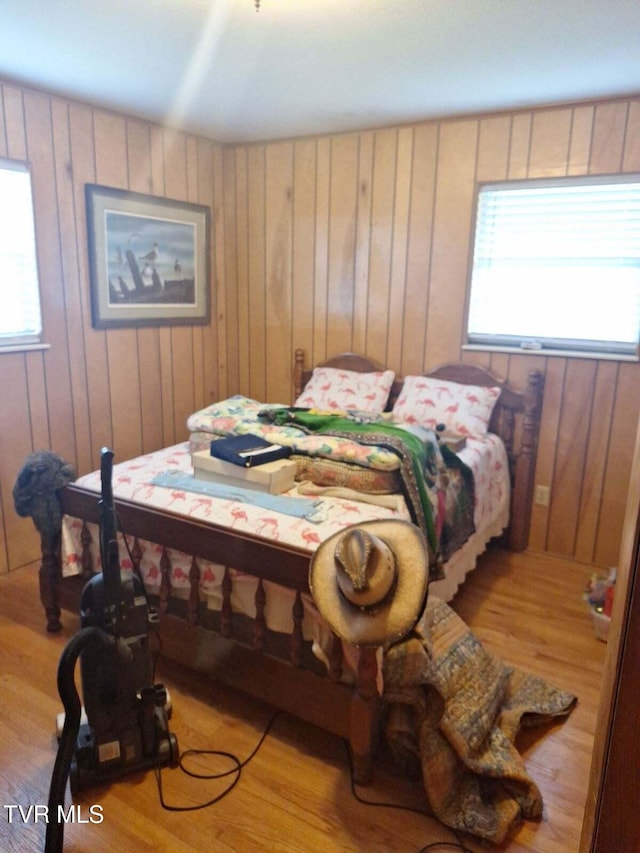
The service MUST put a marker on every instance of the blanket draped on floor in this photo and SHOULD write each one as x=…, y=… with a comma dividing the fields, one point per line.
x=453, y=714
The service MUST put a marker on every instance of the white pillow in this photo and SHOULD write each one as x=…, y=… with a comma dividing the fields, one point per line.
x=340, y=390
x=463, y=409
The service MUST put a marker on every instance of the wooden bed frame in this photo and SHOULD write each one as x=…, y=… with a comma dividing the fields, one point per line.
x=209, y=641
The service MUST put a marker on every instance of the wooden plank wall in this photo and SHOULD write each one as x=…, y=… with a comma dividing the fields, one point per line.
x=361, y=242
x=131, y=389
x=349, y=242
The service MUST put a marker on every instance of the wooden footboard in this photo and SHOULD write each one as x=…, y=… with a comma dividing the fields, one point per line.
x=212, y=642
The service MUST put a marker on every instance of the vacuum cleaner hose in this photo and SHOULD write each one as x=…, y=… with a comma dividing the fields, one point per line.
x=73, y=709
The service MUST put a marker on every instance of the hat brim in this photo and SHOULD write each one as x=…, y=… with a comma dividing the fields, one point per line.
x=390, y=621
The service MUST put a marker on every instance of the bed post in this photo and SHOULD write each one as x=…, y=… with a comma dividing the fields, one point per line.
x=298, y=367
x=50, y=576
x=86, y=559
x=526, y=464
x=364, y=716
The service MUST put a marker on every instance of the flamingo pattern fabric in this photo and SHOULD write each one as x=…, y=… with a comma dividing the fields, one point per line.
x=464, y=410
x=332, y=389
x=132, y=480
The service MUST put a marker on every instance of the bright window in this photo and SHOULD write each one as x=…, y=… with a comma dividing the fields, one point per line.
x=556, y=265
x=20, y=320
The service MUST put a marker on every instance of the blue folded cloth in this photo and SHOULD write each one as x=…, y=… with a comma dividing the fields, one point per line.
x=311, y=510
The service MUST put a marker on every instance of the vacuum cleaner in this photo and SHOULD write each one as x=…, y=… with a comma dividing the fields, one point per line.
x=123, y=727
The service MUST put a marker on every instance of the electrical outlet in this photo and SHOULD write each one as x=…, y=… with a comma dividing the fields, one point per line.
x=542, y=495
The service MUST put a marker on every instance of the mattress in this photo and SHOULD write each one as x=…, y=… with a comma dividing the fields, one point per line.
x=317, y=518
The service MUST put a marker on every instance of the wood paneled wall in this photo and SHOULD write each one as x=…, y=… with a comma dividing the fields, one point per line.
x=131, y=389
x=350, y=242
x=361, y=242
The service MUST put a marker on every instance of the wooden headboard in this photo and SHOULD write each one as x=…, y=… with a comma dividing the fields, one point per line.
x=515, y=418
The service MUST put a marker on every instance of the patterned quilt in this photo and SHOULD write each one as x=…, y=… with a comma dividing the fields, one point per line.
x=240, y=415
x=454, y=712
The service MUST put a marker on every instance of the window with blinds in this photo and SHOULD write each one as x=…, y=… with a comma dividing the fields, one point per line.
x=20, y=319
x=556, y=265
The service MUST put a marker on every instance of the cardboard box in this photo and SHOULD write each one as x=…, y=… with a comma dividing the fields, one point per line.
x=272, y=477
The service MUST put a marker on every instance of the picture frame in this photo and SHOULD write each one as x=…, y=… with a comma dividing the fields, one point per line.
x=149, y=259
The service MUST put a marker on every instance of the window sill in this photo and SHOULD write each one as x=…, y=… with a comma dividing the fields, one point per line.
x=601, y=356
x=23, y=347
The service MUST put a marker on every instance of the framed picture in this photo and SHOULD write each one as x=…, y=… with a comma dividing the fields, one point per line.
x=148, y=259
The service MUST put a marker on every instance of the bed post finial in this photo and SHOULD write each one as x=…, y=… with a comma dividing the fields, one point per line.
x=298, y=368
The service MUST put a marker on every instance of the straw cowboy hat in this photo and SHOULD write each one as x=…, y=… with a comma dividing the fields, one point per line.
x=370, y=582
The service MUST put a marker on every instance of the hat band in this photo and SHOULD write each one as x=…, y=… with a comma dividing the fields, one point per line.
x=371, y=609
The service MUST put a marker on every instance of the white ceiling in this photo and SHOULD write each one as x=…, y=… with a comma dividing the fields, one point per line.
x=300, y=67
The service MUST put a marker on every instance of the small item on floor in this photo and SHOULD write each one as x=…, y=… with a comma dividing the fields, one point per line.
x=599, y=596
x=601, y=623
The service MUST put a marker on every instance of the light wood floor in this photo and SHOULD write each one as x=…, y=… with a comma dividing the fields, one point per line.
x=295, y=795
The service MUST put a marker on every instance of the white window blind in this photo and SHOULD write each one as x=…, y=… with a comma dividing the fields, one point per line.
x=20, y=319
x=556, y=264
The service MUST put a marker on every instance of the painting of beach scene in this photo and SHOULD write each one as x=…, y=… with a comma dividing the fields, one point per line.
x=149, y=259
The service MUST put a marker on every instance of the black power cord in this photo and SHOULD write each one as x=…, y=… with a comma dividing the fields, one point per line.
x=434, y=845
x=236, y=771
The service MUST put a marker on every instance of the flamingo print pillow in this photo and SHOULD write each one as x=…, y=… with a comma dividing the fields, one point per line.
x=463, y=409
x=332, y=389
